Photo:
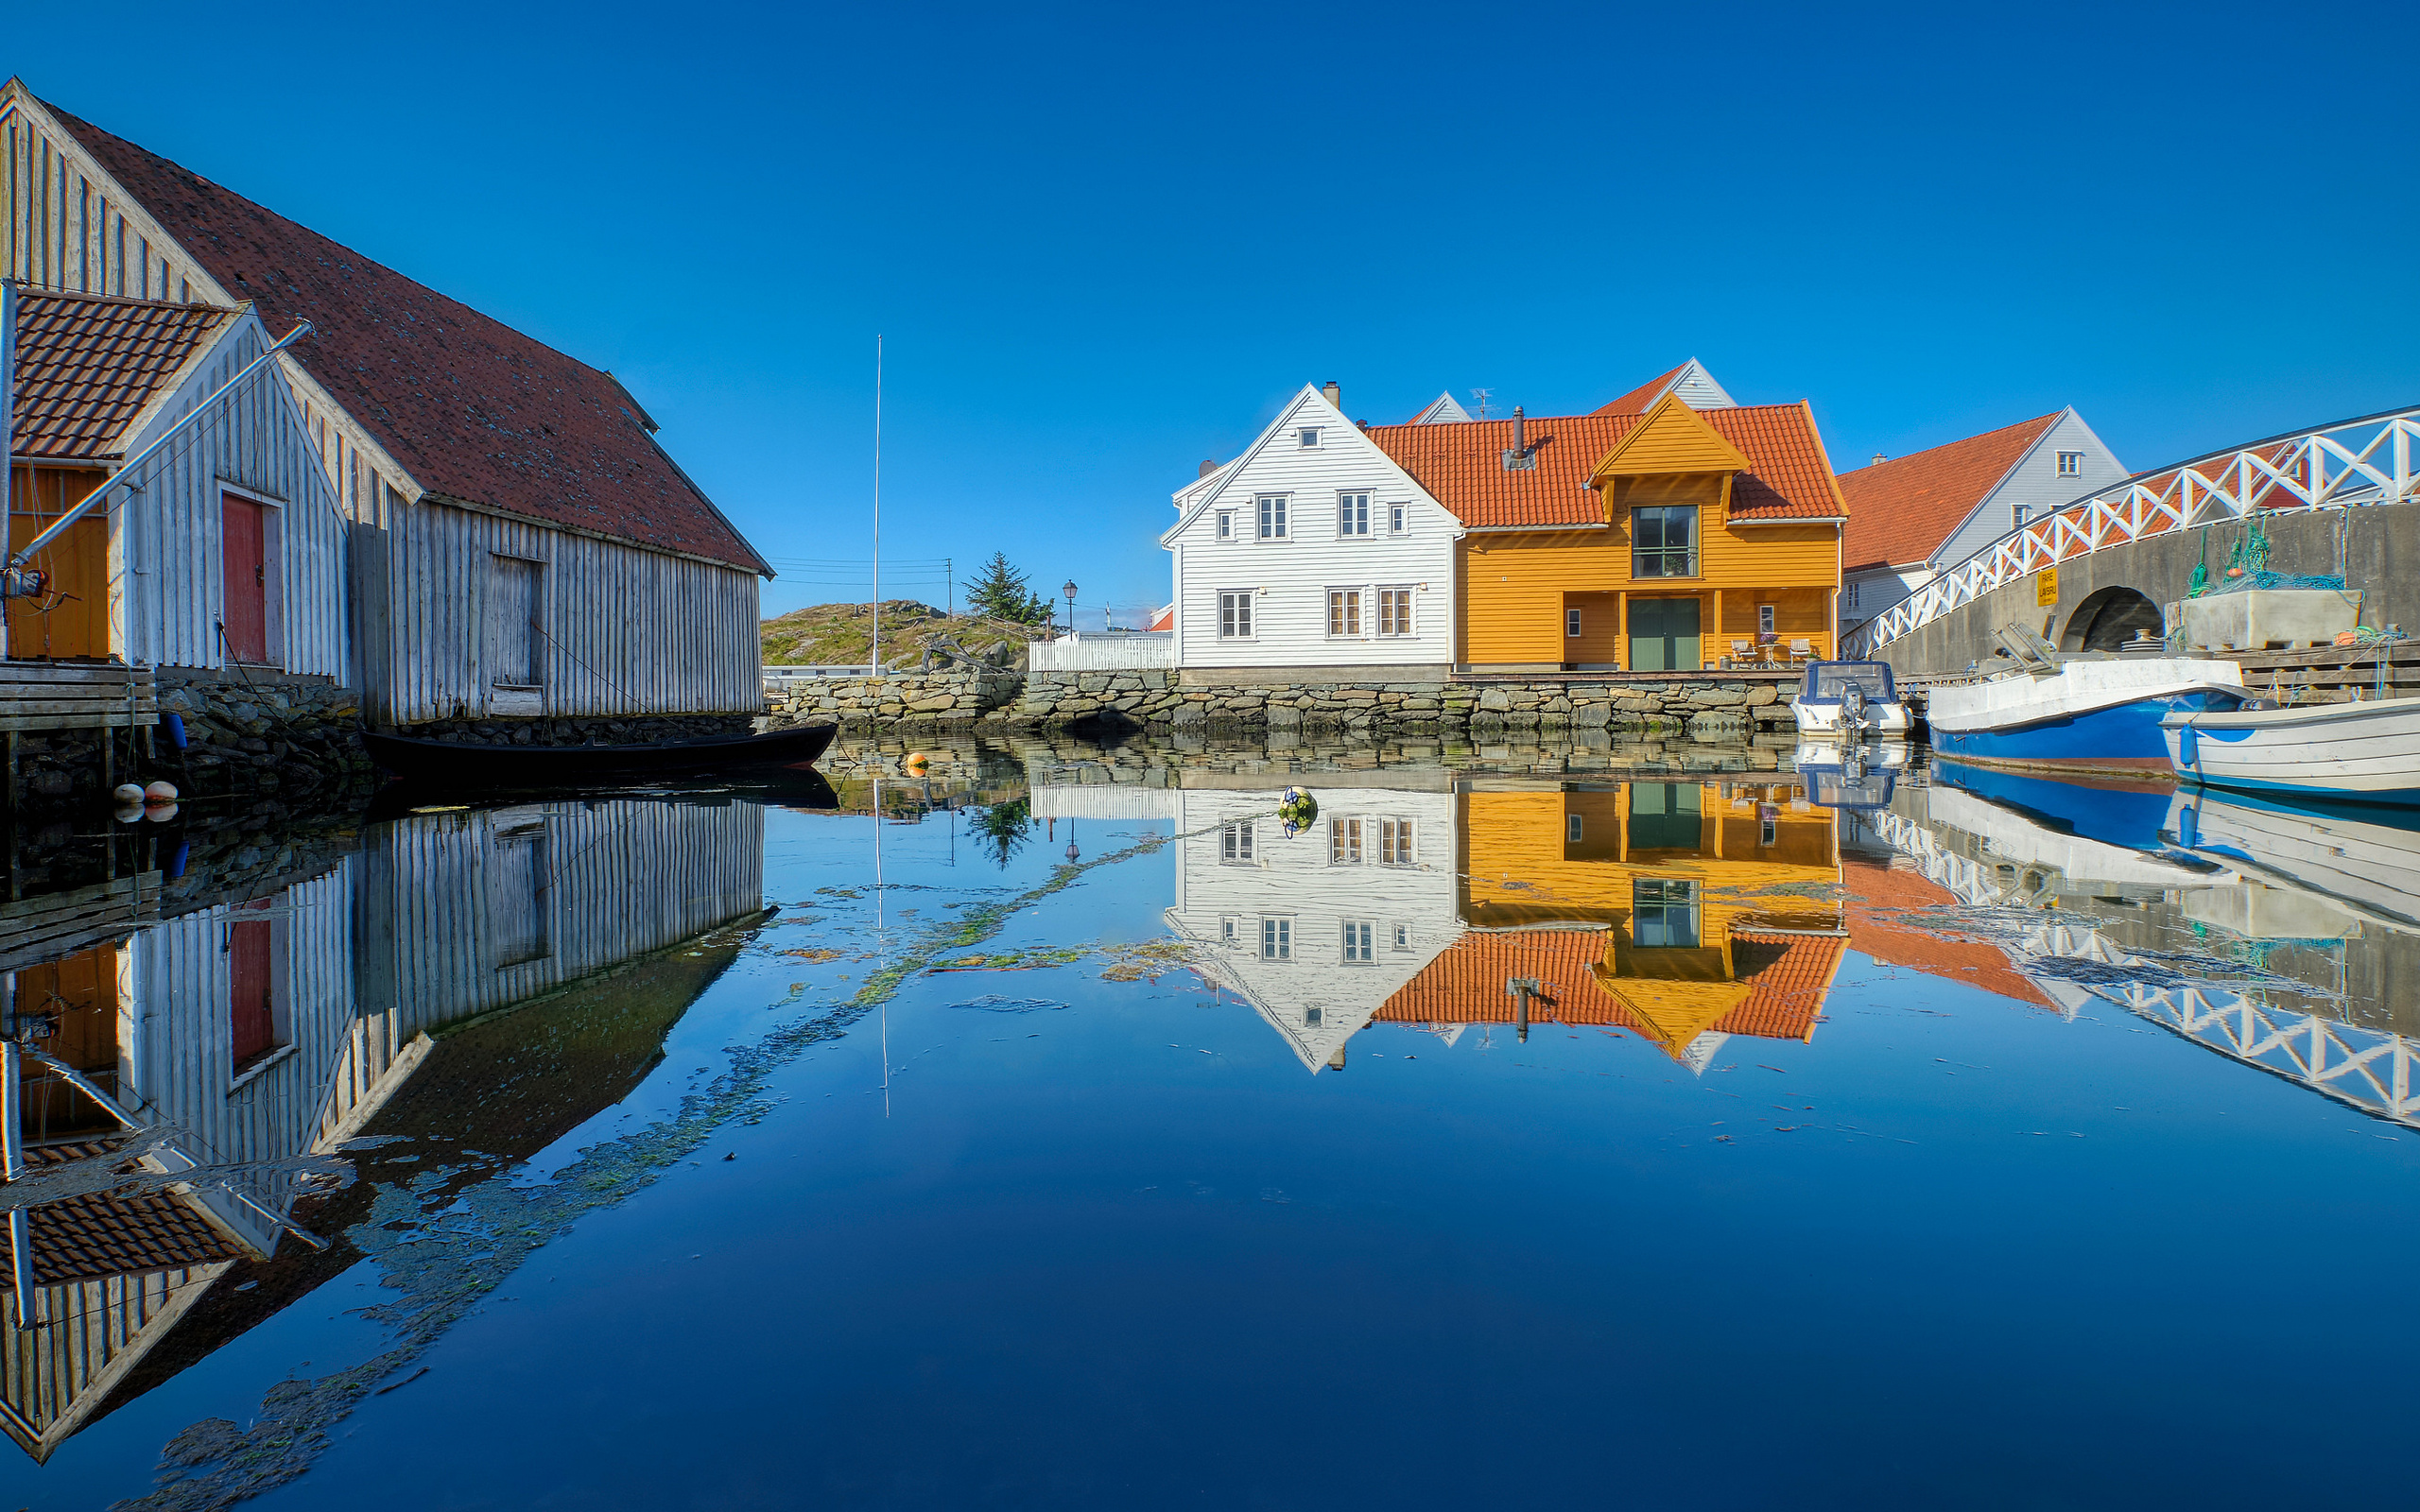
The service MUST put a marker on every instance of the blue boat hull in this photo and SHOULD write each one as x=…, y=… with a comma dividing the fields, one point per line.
x=2122, y=738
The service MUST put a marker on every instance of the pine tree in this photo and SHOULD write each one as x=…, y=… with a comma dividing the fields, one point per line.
x=999, y=592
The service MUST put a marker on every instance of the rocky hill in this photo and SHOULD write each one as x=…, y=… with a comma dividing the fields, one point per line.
x=843, y=633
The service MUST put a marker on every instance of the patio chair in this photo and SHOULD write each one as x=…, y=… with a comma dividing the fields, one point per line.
x=1800, y=648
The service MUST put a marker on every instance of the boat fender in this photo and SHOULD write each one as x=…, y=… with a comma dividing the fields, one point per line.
x=2189, y=825
x=2188, y=751
x=176, y=724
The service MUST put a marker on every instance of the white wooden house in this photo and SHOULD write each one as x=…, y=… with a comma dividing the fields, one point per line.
x=1912, y=517
x=223, y=547
x=522, y=544
x=1313, y=550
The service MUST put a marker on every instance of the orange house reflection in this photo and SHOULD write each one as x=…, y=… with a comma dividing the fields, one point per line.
x=1685, y=912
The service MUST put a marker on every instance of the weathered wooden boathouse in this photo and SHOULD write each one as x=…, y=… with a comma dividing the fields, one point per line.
x=523, y=551
x=161, y=485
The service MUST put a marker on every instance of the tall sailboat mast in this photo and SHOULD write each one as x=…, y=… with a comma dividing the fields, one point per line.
x=876, y=670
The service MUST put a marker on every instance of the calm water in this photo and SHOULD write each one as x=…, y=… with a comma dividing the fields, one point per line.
x=1564, y=1126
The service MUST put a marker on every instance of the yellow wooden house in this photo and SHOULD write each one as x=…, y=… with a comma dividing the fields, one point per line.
x=1678, y=910
x=1676, y=540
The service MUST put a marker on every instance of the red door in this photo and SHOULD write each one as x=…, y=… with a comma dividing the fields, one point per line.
x=242, y=550
x=247, y=970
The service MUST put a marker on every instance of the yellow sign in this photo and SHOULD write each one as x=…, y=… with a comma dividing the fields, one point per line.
x=2045, y=588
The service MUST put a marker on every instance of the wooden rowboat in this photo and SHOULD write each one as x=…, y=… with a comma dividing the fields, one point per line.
x=2366, y=752
x=459, y=764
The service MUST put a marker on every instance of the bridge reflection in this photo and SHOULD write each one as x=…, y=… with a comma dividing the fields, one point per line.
x=2284, y=939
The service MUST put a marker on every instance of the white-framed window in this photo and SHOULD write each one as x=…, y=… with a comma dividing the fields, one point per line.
x=1308, y=437
x=1344, y=842
x=1235, y=845
x=1764, y=619
x=1395, y=842
x=1310, y=1017
x=1571, y=621
x=2070, y=464
x=1403, y=937
x=1351, y=514
x=1277, y=940
x=1850, y=598
x=1398, y=519
x=1272, y=516
x=1572, y=829
x=1361, y=942
x=1394, y=611
x=1343, y=614
x=1231, y=929
x=1226, y=525
x=2017, y=513
x=1235, y=613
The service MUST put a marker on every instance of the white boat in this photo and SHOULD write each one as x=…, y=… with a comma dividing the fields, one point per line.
x=1849, y=699
x=2077, y=715
x=2368, y=752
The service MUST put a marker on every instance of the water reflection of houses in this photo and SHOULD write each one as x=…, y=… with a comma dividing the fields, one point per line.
x=1685, y=912
x=180, y=1078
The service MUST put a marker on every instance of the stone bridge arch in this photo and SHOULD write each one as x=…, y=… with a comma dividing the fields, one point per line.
x=2111, y=616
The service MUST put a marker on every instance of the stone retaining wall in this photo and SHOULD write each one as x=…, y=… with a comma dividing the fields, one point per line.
x=252, y=732
x=582, y=730
x=954, y=696
x=1156, y=699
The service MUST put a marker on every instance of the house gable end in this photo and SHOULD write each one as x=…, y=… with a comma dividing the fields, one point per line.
x=1670, y=438
x=1310, y=407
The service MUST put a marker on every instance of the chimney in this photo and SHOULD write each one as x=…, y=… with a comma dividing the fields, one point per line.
x=1334, y=395
x=1208, y=467
x=1879, y=457
x=1520, y=431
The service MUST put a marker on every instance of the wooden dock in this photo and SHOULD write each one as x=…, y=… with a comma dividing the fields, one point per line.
x=76, y=696
x=2334, y=674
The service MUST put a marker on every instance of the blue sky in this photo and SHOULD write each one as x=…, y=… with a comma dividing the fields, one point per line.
x=1104, y=244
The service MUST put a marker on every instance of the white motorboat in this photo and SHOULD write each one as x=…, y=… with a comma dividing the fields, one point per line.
x=2364, y=752
x=1849, y=699
x=1849, y=773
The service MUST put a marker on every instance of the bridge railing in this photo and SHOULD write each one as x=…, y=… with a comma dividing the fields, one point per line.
x=2354, y=462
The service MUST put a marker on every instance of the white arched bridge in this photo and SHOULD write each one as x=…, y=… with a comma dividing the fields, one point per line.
x=2350, y=464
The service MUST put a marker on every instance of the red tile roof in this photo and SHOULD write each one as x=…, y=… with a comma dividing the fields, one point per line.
x=1462, y=465
x=87, y=364
x=475, y=410
x=1787, y=976
x=1903, y=510
x=1637, y=400
x=107, y=1234
x=1881, y=900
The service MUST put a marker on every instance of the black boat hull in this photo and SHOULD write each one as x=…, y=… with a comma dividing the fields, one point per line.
x=457, y=764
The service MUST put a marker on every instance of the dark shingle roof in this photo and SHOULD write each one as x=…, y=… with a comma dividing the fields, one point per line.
x=87, y=364
x=474, y=409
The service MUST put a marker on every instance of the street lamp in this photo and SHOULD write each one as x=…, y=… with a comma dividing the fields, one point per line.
x=1070, y=591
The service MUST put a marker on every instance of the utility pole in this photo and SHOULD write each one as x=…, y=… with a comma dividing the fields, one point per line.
x=874, y=669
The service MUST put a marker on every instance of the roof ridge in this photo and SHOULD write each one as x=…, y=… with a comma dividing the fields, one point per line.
x=1963, y=440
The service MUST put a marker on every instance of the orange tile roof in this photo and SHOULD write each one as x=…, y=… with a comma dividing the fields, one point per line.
x=474, y=409
x=88, y=364
x=1903, y=510
x=1879, y=899
x=1462, y=465
x=1637, y=400
x=1787, y=976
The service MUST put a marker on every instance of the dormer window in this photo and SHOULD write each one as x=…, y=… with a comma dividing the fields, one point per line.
x=1309, y=438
